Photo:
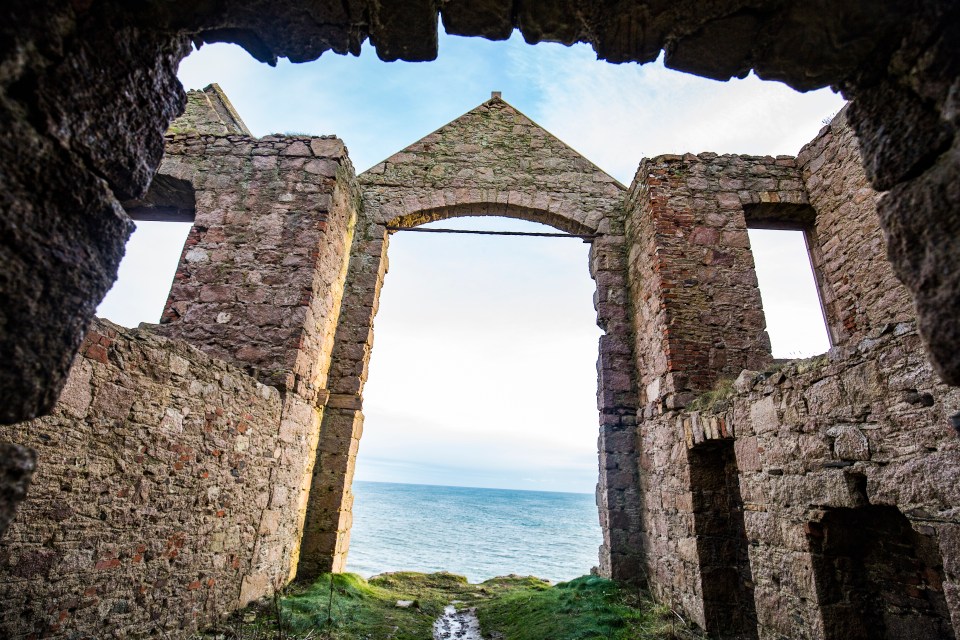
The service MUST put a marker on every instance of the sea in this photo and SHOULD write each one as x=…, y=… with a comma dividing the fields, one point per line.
x=478, y=533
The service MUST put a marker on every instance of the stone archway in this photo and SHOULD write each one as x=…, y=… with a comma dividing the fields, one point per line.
x=492, y=161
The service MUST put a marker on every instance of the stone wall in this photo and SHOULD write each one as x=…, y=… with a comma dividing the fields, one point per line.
x=696, y=305
x=800, y=500
x=90, y=87
x=866, y=429
x=263, y=271
x=261, y=277
x=811, y=499
x=167, y=494
x=857, y=284
x=493, y=160
x=258, y=289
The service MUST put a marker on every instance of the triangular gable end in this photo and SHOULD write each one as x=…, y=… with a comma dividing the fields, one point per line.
x=492, y=160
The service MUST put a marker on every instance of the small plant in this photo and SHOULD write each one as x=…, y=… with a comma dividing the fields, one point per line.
x=715, y=400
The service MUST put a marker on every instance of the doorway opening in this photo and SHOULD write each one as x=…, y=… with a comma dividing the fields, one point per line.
x=877, y=577
x=722, y=546
x=479, y=447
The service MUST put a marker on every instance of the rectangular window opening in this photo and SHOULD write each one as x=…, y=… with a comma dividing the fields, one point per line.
x=792, y=305
x=164, y=217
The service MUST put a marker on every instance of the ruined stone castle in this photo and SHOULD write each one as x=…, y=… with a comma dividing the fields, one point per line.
x=193, y=466
x=152, y=480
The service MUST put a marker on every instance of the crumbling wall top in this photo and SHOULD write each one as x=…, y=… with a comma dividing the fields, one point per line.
x=210, y=112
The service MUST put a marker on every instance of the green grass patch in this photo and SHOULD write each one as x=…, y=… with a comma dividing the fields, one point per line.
x=715, y=400
x=587, y=608
x=347, y=607
x=356, y=608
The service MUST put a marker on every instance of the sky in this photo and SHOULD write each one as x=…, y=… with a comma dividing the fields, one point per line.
x=483, y=371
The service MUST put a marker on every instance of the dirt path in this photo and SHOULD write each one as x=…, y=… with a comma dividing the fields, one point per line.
x=457, y=625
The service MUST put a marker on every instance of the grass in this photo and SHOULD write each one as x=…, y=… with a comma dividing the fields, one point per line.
x=587, y=608
x=347, y=607
x=717, y=399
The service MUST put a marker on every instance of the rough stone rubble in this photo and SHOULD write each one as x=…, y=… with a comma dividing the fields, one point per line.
x=193, y=466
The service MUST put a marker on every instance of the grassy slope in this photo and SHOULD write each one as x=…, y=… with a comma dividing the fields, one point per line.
x=582, y=609
x=509, y=608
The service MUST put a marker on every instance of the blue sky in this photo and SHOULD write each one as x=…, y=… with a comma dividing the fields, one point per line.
x=483, y=370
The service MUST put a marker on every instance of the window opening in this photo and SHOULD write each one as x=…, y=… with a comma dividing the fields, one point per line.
x=163, y=217
x=791, y=300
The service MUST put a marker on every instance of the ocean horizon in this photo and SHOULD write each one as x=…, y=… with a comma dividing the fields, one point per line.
x=476, y=532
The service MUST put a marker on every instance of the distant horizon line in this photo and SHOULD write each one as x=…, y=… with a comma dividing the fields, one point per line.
x=460, y=486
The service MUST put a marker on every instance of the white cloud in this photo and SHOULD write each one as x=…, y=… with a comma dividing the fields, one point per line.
x=617, y=114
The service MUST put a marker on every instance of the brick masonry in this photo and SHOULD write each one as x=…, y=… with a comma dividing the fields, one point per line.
x=184, y=463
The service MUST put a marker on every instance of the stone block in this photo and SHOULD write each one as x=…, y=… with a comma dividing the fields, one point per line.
x=748, y=454
x=253, y=587
x=77, y=394
x=763, y=416
x=849, y=443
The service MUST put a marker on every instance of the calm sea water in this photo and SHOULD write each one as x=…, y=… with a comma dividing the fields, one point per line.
x=479, y=533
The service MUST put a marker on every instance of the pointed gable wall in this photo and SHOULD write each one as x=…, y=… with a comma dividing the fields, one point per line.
x=493, y=160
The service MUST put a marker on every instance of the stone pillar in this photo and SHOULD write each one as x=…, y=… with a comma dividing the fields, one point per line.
x=618, y=498
x=326, y=536
x=261, y=277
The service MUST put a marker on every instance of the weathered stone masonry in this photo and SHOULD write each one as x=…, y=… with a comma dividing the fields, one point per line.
x=87, y=90
x=165, y=493
x=201, y=467
x=802, y=501
x=808, y=499
x=492, y=160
